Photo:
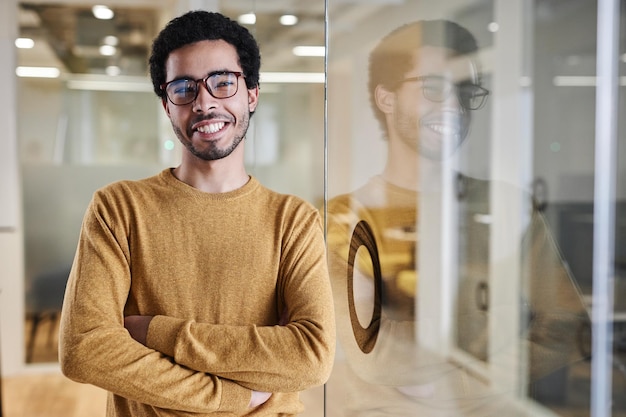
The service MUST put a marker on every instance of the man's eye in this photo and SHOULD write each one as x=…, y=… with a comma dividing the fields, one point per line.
x=434, y=84
x=223, y=83
x=183, y=88
x=434, y=88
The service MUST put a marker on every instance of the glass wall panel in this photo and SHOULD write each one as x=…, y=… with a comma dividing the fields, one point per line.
x=99, y=121
x=460, y=221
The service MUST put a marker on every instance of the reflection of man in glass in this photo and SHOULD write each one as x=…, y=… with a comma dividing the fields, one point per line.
x=424, y=84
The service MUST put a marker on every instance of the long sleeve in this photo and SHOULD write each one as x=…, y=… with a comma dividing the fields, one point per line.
x=236, y=283
x=283, y=358
x=95, y=348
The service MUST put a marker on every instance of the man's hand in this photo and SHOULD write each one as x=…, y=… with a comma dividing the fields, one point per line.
x=258, y=398
x=137, y=326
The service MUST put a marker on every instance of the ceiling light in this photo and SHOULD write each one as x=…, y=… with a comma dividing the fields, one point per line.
x=105, y=83
x=309, y=50
x=292, y=77
x=38, y=72
x=493, y=27
x=247, y=19
x=102, y=12
x=288, y=20
x=110, y=40
x=113, y=70
x=581, y=81
x=107, y=50
x=24, y=43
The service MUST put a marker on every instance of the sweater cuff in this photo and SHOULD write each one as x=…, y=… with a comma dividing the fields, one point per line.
x=163, y=333
x=162, y=336
x=235, y=398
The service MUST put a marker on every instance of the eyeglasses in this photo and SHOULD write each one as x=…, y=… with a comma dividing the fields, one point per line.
x=471, y=96
x=220, y=84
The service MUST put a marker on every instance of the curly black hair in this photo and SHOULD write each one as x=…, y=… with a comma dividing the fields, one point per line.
x=392, y=58
x=199, y=25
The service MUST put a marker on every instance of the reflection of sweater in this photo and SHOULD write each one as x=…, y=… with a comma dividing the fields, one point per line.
x=216, y=271
x=400, y=377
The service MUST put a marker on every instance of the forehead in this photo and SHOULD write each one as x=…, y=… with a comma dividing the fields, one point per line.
x=202, y=57
x=430, y=60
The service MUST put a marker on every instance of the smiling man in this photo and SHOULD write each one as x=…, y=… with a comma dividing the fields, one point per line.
x=198, y=290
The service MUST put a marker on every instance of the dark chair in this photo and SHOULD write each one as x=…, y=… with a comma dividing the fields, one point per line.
x=44, y=299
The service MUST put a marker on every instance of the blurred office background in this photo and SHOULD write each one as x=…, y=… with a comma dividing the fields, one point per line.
x=78, y=113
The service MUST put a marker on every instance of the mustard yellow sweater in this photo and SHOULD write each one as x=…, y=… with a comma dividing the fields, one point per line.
x=216, y=271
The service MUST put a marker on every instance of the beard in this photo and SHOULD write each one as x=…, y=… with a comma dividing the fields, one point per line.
x=212, y=151
x=436, y=135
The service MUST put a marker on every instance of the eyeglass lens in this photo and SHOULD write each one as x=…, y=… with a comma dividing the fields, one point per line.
x=219, y=85
x=437, y=89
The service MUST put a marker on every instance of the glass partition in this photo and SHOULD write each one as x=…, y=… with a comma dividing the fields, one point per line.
x=98, y=121
x=461, y=185
x=460, y=212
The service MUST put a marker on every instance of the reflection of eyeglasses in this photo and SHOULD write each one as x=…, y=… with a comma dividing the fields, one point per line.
x=437, y=89
x=220, y=84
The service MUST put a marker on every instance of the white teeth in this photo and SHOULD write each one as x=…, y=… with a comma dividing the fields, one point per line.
x=212, y=128
x=443, y=129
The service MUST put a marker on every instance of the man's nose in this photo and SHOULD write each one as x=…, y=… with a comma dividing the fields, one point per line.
x=204, y=100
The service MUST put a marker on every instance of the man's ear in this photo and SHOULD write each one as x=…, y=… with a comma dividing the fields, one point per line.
x=165, y=106
x=253, y=98
x=385, y=99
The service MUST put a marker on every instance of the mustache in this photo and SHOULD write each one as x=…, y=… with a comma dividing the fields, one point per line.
x=211, y=116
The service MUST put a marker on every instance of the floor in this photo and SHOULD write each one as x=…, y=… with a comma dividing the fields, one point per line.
x=52, y=395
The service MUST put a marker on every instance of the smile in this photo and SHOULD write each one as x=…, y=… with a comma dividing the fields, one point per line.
x=211, y=128
x=443, y=129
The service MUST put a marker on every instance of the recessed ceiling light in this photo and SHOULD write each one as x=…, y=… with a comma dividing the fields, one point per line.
x=292, y=77
x=113, y=70
x=309, y=50
x=108, y=50
x=38, y=72
x=110, y=40
x=493, y=27
x=102, y=12
x=288, y=20
x=247, y=19
x=24, y=43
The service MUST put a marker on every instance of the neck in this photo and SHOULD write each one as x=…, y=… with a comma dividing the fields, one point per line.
x=402, y=165
x=405, y=168
x=218, y=176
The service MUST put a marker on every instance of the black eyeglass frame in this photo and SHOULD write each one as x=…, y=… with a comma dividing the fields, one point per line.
x=203, y=81
x=483, y=92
